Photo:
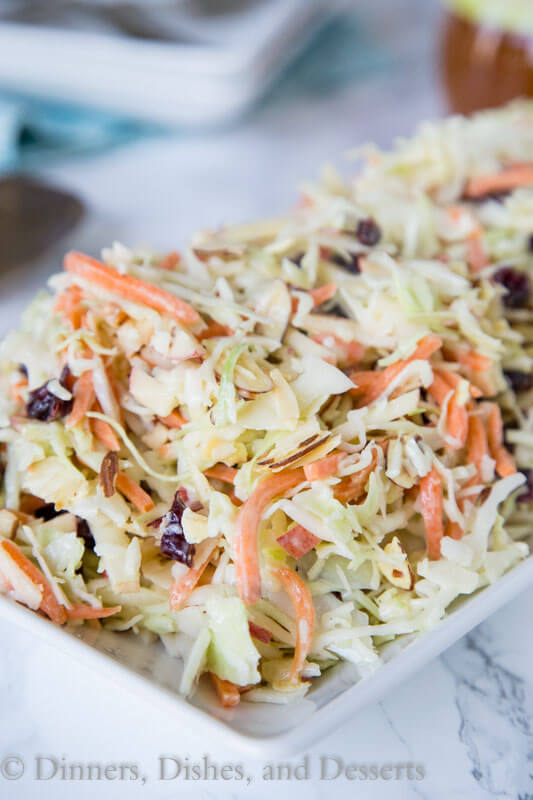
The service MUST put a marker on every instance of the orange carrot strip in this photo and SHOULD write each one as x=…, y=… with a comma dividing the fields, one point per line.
x=173, y=420
x=15, y=389
x=222, y=473
x=182, y=588
x=83, y=399
x=457, y=420
x=504, y=461
x=454, y=530
x=432, y=511
x=323, y=293
x=227, y=692
x=129, y=287
x=68, y=305
x=105, y=433
x=133, y=492
x=323, y=467
x=477, y=447
x=170, y=261
x=245, y=542
x=454, y=379
x=49, y=603
x=511, y=178
x=352, y=352
x=371, y=384
x=214, y=330
x=353, y=486
x=476, y=255
x=477, y=362
x=304, y=612
x=89, y=612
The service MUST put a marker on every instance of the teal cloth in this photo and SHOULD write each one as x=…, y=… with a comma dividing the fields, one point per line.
x=35, y=131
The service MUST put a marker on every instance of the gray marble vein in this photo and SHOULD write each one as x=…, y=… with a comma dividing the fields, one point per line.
x=495, y=706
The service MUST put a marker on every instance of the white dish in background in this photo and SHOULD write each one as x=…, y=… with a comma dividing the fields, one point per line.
x=261, y=729
x=200, y=80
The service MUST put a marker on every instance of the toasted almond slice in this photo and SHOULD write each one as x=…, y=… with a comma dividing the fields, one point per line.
x=400, y=576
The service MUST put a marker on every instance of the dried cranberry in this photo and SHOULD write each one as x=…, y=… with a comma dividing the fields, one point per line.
x=519, y=381
x=517, y=284
x=368, y=232
x=47, y=512
x=173, y=542
x=349, y=263
x=527, y=488
x=45, y=406
x=84, y=532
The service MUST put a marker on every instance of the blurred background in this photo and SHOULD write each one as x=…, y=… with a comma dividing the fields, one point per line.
x=144, y=120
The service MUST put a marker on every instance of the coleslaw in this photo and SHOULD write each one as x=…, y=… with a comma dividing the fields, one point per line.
x=296, y=441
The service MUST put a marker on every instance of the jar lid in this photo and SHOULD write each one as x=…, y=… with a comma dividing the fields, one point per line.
x=514, y=16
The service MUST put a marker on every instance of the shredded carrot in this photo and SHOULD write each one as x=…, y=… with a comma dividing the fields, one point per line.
x=371, y=384
x=49, y=603
x=475, y=361
x=512, y=177
x=504, y=461
x=68, y=305
x=323, y=467
x=227, y=692
x=431, y=502
x=351, y=352
x=173, y=420
x=90, y=612
x=83, y=399
x=214, y=330
x=454, y=530
x=129, y=287
x=15, y=389
x=454, y=379
x=105, y=433
x=184, y=586
x=323, y=293
x=457, y=419
x=353, y=486
x=133, y=492
x=222, y=473
x=477, y=447
x=245, y=542
x=304, y=613
x=170, y=261
x=476, y=255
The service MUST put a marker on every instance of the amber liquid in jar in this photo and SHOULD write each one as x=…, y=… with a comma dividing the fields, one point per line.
x=484, y=67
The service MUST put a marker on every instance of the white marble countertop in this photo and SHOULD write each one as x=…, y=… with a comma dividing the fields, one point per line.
x=467, y=718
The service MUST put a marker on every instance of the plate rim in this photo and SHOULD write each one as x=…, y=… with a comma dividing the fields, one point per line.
x=427, y=646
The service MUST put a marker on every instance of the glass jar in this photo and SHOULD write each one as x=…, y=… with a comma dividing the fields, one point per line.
x=487, y=52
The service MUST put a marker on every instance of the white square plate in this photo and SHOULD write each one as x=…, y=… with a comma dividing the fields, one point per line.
x=257, y=728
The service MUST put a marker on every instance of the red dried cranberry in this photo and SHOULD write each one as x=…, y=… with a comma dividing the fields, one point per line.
x=349, y=263
x=84, y=532
x=519, y=381
x=368, y=232
x=45, y=406
x=174, y=545
x=47, y=512
x=517, y=284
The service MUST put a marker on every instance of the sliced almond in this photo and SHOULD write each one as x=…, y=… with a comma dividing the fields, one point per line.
x=225, y=253
x=400, y=575
x=275, y=304
x=108, y=473
x=310, y=452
